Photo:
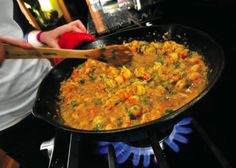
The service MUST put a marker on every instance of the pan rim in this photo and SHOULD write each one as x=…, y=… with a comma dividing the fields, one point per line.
x=165, y=118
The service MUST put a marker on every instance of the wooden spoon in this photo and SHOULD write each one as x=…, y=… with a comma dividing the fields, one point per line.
x=115, y=55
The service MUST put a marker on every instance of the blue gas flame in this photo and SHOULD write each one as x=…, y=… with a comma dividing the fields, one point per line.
x=123, y=150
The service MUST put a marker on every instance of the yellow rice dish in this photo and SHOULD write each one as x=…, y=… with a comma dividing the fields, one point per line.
x=161, y=78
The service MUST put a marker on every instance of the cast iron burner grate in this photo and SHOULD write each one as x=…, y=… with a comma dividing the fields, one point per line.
x=72, y=151
x=123, y=150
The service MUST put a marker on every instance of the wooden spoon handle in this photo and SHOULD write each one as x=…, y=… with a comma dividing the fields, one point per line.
x=13, y=52
x=115, y=55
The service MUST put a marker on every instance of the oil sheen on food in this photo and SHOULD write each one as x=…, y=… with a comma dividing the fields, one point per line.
x=161, y=78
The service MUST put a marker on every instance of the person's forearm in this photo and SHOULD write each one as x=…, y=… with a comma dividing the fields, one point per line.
x=51, y=37
x=12, y=41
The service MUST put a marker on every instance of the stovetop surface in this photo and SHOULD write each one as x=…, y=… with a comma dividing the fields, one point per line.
x=200, y=151
x=195, y=154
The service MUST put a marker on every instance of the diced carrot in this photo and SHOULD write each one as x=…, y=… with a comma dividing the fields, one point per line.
x=133, y=49
x=92, y=111
x=146, y=76
x=111, y=107
x=184, y=54
x=125, y=95
x=138, y=113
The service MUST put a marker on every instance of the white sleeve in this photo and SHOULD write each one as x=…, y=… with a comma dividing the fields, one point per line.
x=32, y=38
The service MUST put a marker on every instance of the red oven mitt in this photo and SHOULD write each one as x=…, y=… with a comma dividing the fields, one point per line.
x=71, y=40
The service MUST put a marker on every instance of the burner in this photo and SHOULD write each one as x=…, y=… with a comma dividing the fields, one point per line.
x=178, y=133
x=123, y=150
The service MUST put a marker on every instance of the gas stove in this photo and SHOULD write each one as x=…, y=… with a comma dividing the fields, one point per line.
x=188, y=145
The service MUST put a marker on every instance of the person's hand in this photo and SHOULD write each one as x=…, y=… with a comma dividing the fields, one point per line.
x=51, y=38
x=12, y=41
